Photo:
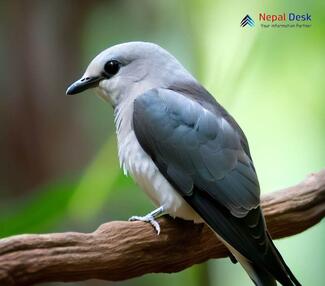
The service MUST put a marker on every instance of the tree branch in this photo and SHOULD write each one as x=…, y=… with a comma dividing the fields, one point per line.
x=121, y=250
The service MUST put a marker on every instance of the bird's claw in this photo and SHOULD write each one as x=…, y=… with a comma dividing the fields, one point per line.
x=148, y=218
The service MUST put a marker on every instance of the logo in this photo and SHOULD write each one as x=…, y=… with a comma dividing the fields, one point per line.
x=285, y=20
x=280, y=20
x=247, y=20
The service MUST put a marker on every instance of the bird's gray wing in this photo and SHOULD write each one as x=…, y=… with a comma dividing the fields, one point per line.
x=196, y=148
x=202, y=156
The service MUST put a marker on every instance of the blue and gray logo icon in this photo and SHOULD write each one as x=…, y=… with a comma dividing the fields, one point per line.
x=247, y=20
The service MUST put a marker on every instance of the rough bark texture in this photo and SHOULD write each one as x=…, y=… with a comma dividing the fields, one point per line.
x=120, y=250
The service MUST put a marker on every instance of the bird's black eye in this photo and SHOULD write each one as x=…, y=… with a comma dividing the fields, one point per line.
x=111, y=68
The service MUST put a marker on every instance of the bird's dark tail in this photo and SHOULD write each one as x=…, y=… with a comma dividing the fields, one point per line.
x=288, y=279
x=277, y=269
x=267, y=277
x=247, y=239
x=259, y=275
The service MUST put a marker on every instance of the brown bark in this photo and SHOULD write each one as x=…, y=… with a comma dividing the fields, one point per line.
x=120, y=250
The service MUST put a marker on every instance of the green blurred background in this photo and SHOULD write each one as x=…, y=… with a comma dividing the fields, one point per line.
x=59, y=169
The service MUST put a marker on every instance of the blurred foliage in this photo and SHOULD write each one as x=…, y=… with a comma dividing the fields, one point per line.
x=96, y=184
x=271, y=81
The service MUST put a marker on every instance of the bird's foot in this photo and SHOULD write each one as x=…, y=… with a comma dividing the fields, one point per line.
x=151, y=218
x=147, y=218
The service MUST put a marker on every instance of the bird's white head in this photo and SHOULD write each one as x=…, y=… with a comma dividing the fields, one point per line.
x=130, y=68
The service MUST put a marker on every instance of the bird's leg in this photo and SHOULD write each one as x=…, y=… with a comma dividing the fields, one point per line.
x=151, y=218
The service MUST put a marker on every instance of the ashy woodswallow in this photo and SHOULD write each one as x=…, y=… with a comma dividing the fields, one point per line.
x=185, y=151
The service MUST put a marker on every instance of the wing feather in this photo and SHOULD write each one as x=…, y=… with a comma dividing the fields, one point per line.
x=196, y=148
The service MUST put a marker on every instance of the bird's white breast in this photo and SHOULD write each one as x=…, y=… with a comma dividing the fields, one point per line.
x=135, y=161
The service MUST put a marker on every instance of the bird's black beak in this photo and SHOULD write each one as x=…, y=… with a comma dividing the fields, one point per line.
x=83, y=84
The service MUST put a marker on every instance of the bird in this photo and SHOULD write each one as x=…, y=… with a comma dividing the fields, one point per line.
x=185, y=151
